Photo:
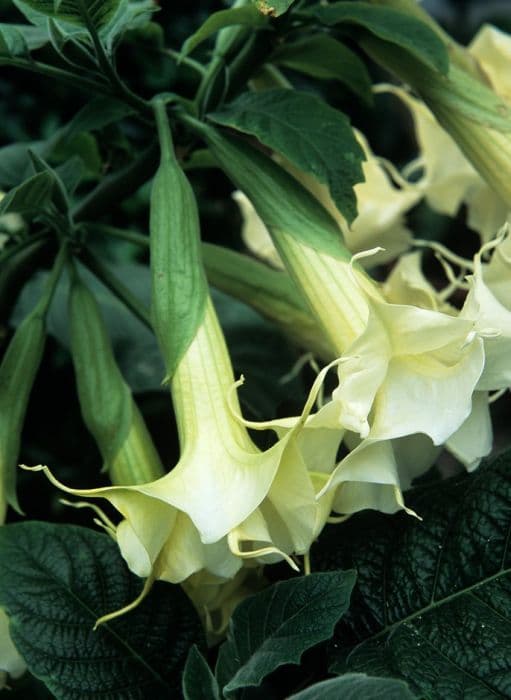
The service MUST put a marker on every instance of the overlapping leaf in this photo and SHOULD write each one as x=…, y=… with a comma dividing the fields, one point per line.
x=433, y=599
x=277, y=625
x=356, y=686
x=308, y=132
x=399, y=28
x=55, y=581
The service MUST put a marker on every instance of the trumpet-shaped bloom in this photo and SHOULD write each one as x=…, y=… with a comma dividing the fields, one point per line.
x=225, y=500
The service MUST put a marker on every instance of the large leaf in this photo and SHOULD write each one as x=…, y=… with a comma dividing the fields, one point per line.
x=321, y=56
x=433, y=598
x=55, y=581
x=308, y=132
x=246, y=15
x=96, y=114
x=20, y=39
x=276, y=626
x=356, y=686
x=78, y=12
x=274, y=8
x=390, y=25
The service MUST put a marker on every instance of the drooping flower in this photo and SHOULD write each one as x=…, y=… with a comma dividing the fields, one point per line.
x=225, y=500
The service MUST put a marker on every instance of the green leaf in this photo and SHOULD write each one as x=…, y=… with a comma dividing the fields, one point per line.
x=77, y=12
x=276, y=626
x=131, y=14
x=321, y=56
x=433, y=598
x=199, y=683
x=312, y=135
x=55, y=581
x=390, y=25
x=29, y=197
x=246, y=15
x=274, y=8
x=96, y=114
x=20, y=39
x=356, y=686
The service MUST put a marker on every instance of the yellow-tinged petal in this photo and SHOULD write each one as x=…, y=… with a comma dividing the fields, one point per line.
x=492, y=49
x=367, y=478
x=474, y=438
x=407, y=284
x=492, y=318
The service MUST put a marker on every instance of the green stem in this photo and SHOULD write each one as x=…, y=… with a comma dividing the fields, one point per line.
x=130, y=236
x=56, y=74
x=164, y=132
x=119, y=87
x=51, y=284
x=209, y=78
x=15, y=249
x=118, y=288
x=185, y=60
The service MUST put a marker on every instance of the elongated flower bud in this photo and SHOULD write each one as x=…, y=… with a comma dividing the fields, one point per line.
x=107, y=405
x=179, y=287
x=17, y=373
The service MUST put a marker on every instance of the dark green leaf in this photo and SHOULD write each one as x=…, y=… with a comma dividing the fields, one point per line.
x=390, y=25
x=312, y=135
x=96, y=114
x=199, y=683
x=15, y=163
x=433, y=598
x=55, y=581
x=276, y=626
x=59, y=197
x=356, y=686
x=19, y=40
x=77, y=12
x=29, y=197
x=321, y=56
x=274, y=8
x=132, y=14
x=246, y=15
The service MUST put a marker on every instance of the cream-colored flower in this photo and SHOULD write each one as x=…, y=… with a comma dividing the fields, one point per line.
x=225, y=500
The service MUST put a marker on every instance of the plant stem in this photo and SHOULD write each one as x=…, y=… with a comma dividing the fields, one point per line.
x=57, y=74
x=118, y=288
x=185, y=60
x=22, y=245
x=51, y=284
x=130, y=236
x=119, y=87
